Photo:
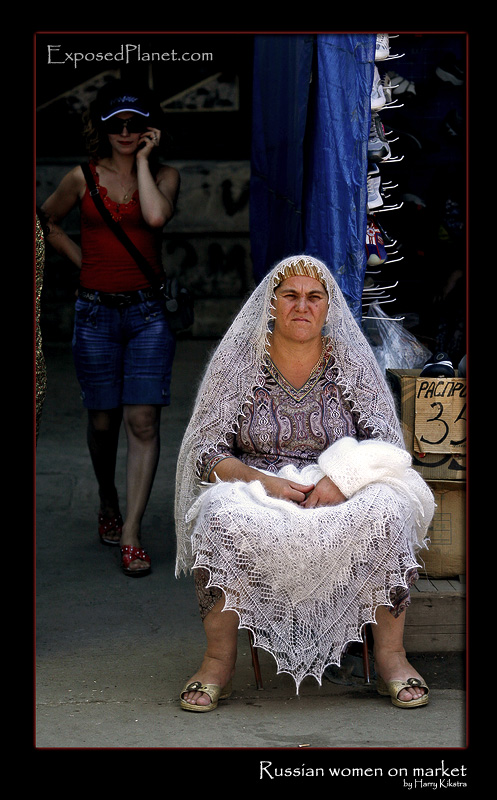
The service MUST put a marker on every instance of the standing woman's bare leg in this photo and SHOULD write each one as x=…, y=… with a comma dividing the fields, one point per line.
x=142, y=425
x=102, y=438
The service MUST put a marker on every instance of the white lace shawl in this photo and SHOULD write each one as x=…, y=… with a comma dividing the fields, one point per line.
x=235, y=370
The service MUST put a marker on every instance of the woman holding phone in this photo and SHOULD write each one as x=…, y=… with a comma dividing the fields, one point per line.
x=123, y=347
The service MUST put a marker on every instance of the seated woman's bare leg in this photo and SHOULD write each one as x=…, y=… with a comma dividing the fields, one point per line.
x=389, y=654
x=218, y=666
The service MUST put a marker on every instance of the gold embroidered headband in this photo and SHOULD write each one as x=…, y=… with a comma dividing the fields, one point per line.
x=304, y=267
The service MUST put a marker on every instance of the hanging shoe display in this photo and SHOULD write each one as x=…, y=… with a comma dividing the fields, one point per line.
x=377, y=93
x=382, y=47
x=378, y=146
x=379, y=151
x=374, y=183
x=375, y=248
x=450, y=70
x=398, y=87
x=382, y=50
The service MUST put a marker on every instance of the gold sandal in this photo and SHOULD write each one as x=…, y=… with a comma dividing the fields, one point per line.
x=394, y=688
x=213, y=691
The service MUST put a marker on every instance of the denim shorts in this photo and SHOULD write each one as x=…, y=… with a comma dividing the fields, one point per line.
x=123, y=356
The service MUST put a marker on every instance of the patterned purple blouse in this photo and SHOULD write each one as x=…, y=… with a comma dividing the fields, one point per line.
x=285, y=425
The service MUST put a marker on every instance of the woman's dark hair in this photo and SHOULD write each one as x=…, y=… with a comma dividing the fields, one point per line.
x=94, y=133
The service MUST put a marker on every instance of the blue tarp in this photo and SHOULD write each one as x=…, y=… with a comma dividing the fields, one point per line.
x=311, y=119
x=282, y=70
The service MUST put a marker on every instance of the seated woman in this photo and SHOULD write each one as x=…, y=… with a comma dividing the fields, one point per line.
x=297, y=506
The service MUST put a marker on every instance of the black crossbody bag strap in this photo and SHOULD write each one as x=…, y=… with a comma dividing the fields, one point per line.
x=118, y=231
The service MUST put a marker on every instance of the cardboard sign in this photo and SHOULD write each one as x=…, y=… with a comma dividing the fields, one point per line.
x=440, y=415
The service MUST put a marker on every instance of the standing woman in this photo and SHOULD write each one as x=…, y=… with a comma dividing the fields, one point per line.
x=122, y=345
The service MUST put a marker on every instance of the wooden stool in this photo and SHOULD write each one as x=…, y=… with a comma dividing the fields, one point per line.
x=257, y=668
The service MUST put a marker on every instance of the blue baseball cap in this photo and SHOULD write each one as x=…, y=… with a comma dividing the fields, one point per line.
x=124, y=102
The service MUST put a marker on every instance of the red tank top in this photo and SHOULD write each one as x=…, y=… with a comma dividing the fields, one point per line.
x=106, y=264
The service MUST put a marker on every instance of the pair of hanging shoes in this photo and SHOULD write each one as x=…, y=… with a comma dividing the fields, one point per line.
x=394, y=688
x=212, y=690
x=129, y=553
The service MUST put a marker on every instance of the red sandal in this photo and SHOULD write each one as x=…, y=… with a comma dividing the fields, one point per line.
x=129, y=553
x=108, y=525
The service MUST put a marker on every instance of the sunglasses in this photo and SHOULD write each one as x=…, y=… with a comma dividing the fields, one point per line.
x=132, y=125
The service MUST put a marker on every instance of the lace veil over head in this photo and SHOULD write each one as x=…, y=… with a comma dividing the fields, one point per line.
x=236, y=370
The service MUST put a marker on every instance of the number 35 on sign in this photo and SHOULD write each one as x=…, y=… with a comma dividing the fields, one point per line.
x=440, y=415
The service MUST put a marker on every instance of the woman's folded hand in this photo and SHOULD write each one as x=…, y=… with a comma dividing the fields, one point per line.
x=285, y=489
x=325, y=493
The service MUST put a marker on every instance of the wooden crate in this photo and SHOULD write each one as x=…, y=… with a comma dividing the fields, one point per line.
x=436, y=618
